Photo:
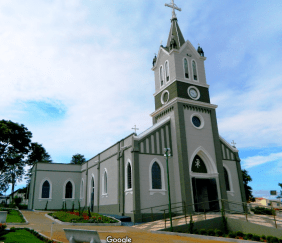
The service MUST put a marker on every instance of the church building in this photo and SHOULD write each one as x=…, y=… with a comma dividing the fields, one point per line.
x=132, y=174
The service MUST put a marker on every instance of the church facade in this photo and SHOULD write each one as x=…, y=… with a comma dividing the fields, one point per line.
x=132, y=174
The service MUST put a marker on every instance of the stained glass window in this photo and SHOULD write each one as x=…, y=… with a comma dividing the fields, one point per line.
x=68, y=193
x=186, y=68
x=194, y=70
x=46, y=189
x=156, y=176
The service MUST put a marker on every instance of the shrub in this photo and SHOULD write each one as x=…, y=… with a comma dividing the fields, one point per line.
x=203, y=232
x=275, y=239
x=211, y=232
x=2, y=227
x=256, y=238
x=263, y=210
x=263, y=237
x=269, y=238
x=17, y=200
x=232, y=235
x=249, y=236
x=22, y=206
x=195, y=231
x=240, y=233
x=13, y=229
x=218, y=232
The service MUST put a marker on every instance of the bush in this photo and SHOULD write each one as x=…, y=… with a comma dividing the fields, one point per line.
x=262, y=210
x=275, y=239
x=249, y=236
x=218, y=232
x=17, y=200
x=231, y=235
x=211, y=232
x=256, y=238
x=203, y=232
x=2, y=227
x=269, y=238
x=195, y=231
x=22, y=206
x=240, y=233
x=13, y=229
x=263, y=237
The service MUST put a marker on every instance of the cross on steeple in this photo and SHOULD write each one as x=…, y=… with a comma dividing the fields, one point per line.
x=135, y=128
x=173, y=6
x=233, y=143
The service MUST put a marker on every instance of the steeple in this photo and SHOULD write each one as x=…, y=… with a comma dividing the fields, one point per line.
x=175, y=39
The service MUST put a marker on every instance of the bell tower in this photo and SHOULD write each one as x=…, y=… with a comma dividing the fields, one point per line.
x=182, y=93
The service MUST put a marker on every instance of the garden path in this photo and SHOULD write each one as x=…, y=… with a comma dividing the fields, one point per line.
x=42, y=224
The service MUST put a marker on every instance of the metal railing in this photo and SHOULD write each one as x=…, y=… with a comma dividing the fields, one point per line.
x=179, y=210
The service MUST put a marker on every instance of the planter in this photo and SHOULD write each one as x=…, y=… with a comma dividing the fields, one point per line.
x=3, y=216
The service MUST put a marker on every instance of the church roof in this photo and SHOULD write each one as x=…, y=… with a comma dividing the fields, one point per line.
x=176, y=34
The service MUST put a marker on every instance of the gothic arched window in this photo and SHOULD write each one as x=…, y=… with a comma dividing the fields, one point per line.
x=46, y=190
x=161, y=76
x=156, y=176
x=68, y=193
x=167, y=71
x=81, y=189
x=198, y=165
x=226, y=177
x=105, y=183
x=186, y=70
x=194, y=70
x=129, y=183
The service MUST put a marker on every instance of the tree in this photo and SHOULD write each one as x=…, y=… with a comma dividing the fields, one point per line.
x=280, y=196
x=248, y=190
x=78, y=159
x=15, y=142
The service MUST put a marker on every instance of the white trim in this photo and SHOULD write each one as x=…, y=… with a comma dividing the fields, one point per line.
x=151, y=129
x=166, y=81
x=196, y=71
x=126, y=176
x=73, y=189
x=229, y=178
x=201, y=119
x=151, y=190
x=103, y=183
x=185, y=101
x=160, y=80
x=162, y=97
x=228, y=145
x=193, y=87
x=81, y=189
x=184, y=69
x=40, y=189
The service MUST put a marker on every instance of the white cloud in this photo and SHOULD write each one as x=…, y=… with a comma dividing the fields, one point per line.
x=252, y=161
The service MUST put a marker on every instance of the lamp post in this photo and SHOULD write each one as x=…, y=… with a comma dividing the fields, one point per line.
x=167, y=154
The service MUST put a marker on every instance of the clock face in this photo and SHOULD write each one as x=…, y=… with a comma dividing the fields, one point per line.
x=193, y=93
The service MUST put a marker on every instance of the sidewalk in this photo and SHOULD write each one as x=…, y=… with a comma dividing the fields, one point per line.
x=42, y=224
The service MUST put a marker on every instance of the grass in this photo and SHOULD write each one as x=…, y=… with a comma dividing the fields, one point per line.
x=19, y=236
x=14, y=216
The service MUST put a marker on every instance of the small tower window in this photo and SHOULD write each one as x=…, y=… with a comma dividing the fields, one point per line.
x=161, y=76
x=186, y=71
x=194, y=70
x=166, y=71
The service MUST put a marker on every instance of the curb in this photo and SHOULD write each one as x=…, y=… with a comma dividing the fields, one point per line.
x=85, y=224
x=205, y=237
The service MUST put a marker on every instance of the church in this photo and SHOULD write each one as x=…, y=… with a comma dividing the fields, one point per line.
x=132, y=174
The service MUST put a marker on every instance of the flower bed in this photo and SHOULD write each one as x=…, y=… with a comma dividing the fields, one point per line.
x=74, y=217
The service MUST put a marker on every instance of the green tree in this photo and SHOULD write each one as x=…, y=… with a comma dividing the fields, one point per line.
x=15, y=142
x=248, y=190
x=78, y=159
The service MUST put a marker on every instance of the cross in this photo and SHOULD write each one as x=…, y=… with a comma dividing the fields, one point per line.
x=135, y=128
x=161, y=42
x=233, y=143
x=173, y=6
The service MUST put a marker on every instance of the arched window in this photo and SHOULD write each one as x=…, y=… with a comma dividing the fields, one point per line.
x=68, y=193
x=129, y=184
x=161, y=76
x=186, y=70
x=167, y=71
x=226, y=177
x=194, y=70
x=81, y=189
x=156, y=176
x=46, y=190
x=105, y=183
x=198, y=165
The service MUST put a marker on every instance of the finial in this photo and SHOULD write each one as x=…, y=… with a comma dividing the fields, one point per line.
x=135, y=128
x=173, y=6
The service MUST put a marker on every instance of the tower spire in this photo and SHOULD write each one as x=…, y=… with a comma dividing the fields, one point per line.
x=173, y=6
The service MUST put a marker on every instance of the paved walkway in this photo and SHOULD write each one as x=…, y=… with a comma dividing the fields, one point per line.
x=42, y=224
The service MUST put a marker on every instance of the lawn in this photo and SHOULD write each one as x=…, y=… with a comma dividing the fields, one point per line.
x=14, y=217
x=19, y=236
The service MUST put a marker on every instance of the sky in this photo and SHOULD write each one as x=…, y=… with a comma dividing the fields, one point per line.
x=78, y=73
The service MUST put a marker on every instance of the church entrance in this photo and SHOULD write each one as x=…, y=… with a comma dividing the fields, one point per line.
x=205, y=194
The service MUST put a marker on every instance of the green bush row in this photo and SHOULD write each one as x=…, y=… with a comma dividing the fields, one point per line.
x=264, y=211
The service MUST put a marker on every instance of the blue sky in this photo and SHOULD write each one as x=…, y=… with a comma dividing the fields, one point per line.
x=78, y=74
